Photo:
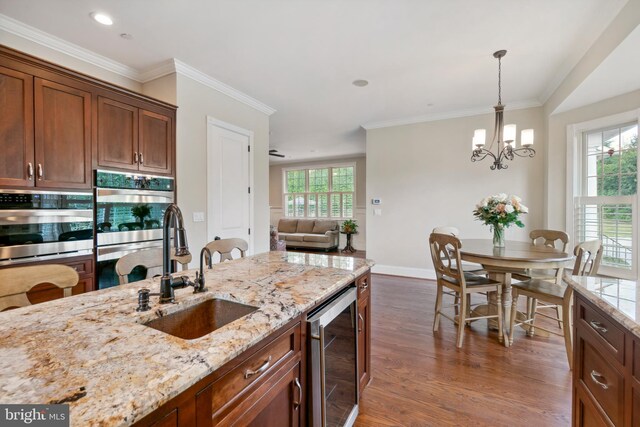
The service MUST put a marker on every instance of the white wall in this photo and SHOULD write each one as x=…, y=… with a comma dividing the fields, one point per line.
x=424, y=176
x=276, y=184
x=195, y=102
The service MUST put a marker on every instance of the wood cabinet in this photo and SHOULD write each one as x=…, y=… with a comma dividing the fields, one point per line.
x=47, y=292
x=57, y=125
x=133, y=138
x=45, y=133
x=363, y=284
x=605, y=385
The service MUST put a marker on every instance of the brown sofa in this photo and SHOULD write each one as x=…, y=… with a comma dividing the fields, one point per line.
x=309, y=233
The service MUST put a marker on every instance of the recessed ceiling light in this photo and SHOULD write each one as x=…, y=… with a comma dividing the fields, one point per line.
x=360, y=83
x=101, y=18
x=126, y=36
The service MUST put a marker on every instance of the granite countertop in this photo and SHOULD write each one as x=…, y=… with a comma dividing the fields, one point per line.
x=93, y=352
x=619, y=298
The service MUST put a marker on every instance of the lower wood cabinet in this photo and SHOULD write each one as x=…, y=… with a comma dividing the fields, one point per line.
x=606, y=390
x=364, y=330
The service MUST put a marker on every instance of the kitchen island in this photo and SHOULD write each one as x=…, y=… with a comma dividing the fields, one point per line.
x=94, y=352
x=606, y=347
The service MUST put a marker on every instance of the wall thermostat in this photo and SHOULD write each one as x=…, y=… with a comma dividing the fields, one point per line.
x=375, y=201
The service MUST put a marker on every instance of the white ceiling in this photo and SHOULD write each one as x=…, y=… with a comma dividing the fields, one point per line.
x=423, y=58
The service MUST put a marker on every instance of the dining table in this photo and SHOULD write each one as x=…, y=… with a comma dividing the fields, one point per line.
x=502, y=262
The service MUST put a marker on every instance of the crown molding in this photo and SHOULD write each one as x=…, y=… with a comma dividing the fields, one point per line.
x=35, y=35
x=50, y=41
x=519, y=105
x=200, y=77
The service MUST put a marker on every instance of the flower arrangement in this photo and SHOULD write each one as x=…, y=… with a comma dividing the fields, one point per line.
x=350, y=226
x=500, y=212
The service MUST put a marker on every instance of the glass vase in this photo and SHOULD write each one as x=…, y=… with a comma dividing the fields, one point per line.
x=498, y=237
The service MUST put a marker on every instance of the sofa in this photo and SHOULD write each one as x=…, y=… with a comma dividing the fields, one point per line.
x=309, y=233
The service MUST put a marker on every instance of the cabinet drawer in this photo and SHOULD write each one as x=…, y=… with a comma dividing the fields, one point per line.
x=262, y=363
x=82, y=267
x=585, y=412
x=602, y=380
x=606, y=332
x=363, y=283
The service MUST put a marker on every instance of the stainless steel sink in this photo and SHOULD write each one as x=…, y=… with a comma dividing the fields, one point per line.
x=201, y=319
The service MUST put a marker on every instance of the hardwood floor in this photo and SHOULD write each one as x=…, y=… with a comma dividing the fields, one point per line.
x=421, y=379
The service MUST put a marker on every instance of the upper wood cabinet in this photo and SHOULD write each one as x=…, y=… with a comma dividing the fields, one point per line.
x=56, y=125
x=62, y=136
x=16, y=128
x=134, y=138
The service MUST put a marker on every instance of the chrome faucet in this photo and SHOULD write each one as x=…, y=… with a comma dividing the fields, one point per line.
x=199, y=280
x=172, y=218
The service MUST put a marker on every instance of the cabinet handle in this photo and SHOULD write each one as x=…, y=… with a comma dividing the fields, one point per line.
x=598, y=327
x=597, y=374
x=30, y=171
x=249, y=373
x=364, y=285
x=135, y=157
x=296, y=383
x=141, y=159
x=40, y=171
x=360, y=322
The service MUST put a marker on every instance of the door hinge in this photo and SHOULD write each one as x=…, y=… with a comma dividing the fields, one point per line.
x=249, y=232
x=248, y=148
x=249, y=188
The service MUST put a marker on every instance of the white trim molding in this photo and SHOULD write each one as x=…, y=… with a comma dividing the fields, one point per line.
x=173, y=65
x=392, y=270
x=35, y=35
x=521, y=105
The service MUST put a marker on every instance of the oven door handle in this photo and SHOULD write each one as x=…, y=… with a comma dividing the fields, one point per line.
x=106, y=195
x=323, y=403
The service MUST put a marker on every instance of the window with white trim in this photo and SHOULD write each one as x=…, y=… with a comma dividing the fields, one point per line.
x=605, y=201
x=320, y=192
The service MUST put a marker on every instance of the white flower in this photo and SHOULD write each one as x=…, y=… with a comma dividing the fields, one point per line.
x=515, y=198
x=524, y=209
x=508, y=208
x=502, y=197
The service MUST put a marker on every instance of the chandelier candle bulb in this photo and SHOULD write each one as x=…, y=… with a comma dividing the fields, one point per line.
x=526, y=137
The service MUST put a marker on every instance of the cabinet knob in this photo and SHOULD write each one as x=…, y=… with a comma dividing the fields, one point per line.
x=141, y=159
x=135, y=157
x=40, y=171
x=30, y=171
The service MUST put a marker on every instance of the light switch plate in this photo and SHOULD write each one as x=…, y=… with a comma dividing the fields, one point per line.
x=377, y=212
x=198, y=217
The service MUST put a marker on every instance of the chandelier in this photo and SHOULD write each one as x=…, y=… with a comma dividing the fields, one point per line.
x=504, y=136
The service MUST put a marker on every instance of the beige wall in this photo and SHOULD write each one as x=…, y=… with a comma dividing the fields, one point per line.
x=196, y=102
x=163, y=88
x=557, y=161
x=276, y=183
x=424, y=176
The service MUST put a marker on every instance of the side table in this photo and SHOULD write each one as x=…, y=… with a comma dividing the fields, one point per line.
x=348, y=247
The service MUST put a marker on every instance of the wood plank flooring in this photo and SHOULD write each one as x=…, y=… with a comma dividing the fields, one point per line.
x=421, y=379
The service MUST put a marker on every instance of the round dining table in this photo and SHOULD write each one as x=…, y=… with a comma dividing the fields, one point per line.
x=514, y=257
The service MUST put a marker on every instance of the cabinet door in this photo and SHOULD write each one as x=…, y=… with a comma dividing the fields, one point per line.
x=62, y=136
x=156, y=142
x=16, y=128
x=364, y=342
x=277, y=407
x=117, y=134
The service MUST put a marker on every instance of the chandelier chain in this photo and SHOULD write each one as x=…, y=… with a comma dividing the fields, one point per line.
x=499, y=81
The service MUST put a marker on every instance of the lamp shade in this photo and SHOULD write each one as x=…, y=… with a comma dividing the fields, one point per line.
x=509, y=133
x=526, y=137
x=479, y=137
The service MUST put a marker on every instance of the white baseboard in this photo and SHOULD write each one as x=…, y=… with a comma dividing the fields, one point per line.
x=420, y=273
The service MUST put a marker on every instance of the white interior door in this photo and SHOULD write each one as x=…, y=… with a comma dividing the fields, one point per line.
x=228, y=181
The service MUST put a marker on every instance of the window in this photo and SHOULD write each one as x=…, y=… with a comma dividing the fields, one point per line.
x=605, y=201
x=320, y=192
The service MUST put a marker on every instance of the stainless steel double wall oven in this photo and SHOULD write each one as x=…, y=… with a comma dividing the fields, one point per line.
x=44, y=225
x=128, y=215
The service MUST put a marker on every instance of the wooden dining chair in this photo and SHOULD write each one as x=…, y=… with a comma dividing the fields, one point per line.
x=467, y=267
x=151, y=259
x=17, y=281
x=588, y=256
x=225, y=246
x=445, y=253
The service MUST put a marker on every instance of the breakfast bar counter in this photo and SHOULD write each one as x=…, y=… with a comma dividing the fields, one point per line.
x=94, y=352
